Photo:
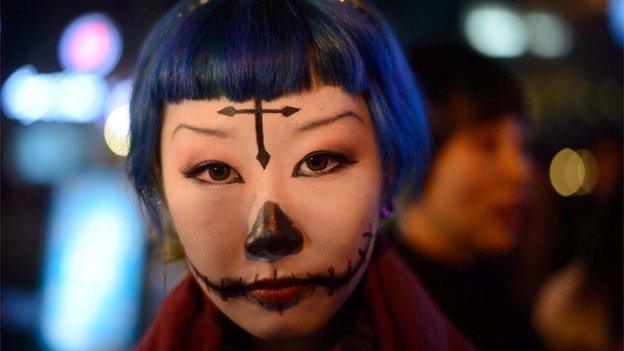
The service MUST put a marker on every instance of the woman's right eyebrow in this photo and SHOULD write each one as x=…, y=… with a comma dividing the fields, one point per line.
x=205, y=131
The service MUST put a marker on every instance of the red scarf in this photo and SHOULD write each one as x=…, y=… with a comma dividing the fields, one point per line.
x=403, y=315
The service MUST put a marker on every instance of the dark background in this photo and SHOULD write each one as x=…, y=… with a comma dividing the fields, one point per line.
x=574, y=101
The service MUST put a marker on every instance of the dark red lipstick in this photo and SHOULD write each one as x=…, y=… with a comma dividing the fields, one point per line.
x=279, y=294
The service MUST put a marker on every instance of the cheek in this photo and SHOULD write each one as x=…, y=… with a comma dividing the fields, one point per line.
x=208, y=219
x=458, y=182
x=335, y=214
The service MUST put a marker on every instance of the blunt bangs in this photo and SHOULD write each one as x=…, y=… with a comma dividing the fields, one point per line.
x=256, y=49
x=265, y=49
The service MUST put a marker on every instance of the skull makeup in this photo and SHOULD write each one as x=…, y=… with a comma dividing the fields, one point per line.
x=277, y=243
x=269, y=133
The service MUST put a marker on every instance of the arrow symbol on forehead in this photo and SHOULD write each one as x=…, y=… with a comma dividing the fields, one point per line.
x=231, y=111
x=263, y=156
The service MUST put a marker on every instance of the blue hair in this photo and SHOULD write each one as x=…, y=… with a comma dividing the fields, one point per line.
x=265, y=49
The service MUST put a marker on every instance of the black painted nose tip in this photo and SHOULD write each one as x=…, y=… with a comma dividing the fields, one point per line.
x=273, y=234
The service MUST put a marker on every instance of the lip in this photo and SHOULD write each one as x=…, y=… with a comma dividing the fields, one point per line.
x=278, y=295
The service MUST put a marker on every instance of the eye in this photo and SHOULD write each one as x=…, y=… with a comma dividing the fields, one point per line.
x=320, y=163
x=212, y=172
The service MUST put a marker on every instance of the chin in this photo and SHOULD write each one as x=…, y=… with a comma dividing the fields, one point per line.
x=497, y=242
x=297, y=321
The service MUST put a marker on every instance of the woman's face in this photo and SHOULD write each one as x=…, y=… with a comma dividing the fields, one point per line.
x=477, y=187
x=276, y=203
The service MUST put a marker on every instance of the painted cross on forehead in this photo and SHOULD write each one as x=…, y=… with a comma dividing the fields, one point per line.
x=263, y=156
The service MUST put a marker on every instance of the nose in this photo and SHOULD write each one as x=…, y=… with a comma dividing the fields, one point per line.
x=516, y=166
x=273, y=234
x=514, y=162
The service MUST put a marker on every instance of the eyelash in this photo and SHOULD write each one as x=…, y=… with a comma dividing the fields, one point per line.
x=193, y=171
x=342, y=159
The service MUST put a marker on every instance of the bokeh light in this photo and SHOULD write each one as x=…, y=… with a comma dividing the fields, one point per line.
x=496, y=30
x=573, y=172
x=93, y=265
x=119, y=95
x=29, y=96
x=44, y=153
x=550, y=36
x=616, y=21
x=567, y=172
x=591, y=172
x=90, y=43
x=116, y=130
x=81, y=97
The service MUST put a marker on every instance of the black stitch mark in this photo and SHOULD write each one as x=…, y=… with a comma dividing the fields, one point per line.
x=263, y=156
x=331, y=271
x=331, y=282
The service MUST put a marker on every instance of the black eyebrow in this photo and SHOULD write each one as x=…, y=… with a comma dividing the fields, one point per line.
x=323, y=122
x=206, y=131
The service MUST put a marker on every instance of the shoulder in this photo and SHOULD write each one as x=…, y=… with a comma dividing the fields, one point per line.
x=404, y=316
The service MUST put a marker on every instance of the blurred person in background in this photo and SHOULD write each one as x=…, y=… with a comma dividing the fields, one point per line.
x=580, y=305
x=457, y=232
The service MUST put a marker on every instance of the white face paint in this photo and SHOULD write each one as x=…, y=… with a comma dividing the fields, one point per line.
x=321, y=188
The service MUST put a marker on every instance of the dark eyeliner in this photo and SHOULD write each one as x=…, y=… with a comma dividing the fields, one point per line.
x=192, y=170
x=344, y=158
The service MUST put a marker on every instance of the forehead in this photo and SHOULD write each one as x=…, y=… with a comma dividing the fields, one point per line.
x=314, y=104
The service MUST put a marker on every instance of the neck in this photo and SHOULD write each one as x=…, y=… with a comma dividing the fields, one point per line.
x=421, y=235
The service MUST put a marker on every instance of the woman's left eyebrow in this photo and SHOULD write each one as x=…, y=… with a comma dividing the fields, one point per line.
x=329, y=120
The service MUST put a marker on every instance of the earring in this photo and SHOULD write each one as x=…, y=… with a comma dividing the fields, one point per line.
x=386, y=211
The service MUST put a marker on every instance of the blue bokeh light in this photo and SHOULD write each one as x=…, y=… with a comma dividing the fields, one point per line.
x=119, y=95
x=495, y=30
x=29, y=96
x=616, y=21
x=44, y=153
x=93, y=265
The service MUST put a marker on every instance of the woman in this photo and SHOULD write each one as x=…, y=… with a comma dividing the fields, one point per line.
x=457, y=231
x=270, y=134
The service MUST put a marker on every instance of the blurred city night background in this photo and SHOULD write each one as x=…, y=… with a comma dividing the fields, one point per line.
x=78, y=272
